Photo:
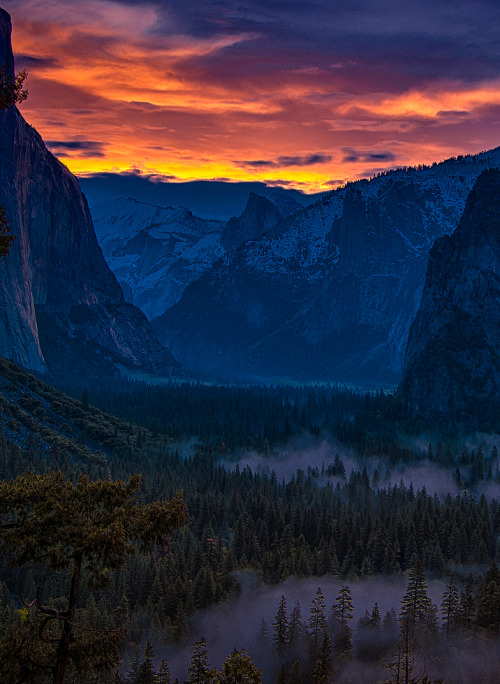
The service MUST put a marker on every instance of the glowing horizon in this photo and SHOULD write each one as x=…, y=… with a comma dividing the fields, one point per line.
x=305, y=98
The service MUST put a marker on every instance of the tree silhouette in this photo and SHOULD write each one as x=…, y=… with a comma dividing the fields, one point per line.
x=87, y=528
x=11, y=93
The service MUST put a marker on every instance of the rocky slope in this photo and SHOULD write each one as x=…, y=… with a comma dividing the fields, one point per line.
x=61, y=308
x=452, y=363
x=155, y=252
x=329, y=294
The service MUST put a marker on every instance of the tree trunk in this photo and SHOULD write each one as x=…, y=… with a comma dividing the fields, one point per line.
x=67, y=634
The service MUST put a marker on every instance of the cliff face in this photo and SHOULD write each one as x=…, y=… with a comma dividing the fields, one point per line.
x=452, y=362
x=329, y=293
x=61, y=308
x=259, y=217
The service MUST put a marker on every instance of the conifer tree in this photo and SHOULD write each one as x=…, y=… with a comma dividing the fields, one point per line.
x=466, y=607
x=449, y=606
x=280, y=625
x=199, y=671
x=342, y=608
x=146, y=673
x=317, y=620
x=404, y=663
x=91, y=526
x=488, y=612
x=375, y=620
x=164, y=675
x=324, y=662
x=282, y=678
x=415, y=604
x=296, y=673
x=239, y=668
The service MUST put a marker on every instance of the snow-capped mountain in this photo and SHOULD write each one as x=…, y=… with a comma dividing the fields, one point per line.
x=155, y=252
x=330, y=293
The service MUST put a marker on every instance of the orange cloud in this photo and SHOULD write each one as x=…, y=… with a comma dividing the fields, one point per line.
x=116, y=92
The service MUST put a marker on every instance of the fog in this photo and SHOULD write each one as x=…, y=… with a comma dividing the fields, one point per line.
x=238, y=623
x=306, y=452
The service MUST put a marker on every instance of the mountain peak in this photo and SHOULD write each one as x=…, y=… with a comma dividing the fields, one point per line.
x=259, y=217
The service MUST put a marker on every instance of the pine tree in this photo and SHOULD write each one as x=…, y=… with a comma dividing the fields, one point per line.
x=342, y=608
x=317, y=620
x=280, y=625
x=295, y=628
x=164, y=675
x=449, y=606
x=415, y=604
x=404, y=663
x=296, y=673
x=134, y=666
x=198, y=671
x=466, y=607
x=72, y=527
x=375, y=620
x=323, y=666
x=282, y=678
x=488, y=613
x=239, y=668
x=146, y=673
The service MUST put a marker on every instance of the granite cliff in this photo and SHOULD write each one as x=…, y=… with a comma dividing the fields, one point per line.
x=452, y=363
x=328, y=293
x=61, y=308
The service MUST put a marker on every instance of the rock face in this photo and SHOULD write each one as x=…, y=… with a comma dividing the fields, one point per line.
x=452, y=361
x=259, y=217
x=329, y=293
x=61, y=308
x=155, y=252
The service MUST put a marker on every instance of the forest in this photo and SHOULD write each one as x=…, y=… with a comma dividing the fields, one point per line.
x=355, y=548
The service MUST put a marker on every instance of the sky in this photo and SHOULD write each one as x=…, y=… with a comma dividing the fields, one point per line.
x=298, y=93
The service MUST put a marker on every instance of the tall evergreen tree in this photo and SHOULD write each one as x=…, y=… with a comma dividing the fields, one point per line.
x=324, y=662
x=415, y=604
x=164, y=675
x=317, y=620
x=296, y=673
x=449, y=606
x=342, y=608
x=199, y=671
x=146, y=673
x=280, y=625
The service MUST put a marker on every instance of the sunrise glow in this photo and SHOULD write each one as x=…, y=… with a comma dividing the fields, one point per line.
x=149, y=87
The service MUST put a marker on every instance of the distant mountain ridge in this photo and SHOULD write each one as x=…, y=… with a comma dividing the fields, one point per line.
x=219, y=200
x=329, y=293
x=61, y=308
x=452, y=364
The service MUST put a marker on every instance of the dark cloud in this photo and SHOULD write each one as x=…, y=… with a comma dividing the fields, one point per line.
x=64, y=148
x=387, y=44
x=352, y=155
x=29, y=61
x=293, y=160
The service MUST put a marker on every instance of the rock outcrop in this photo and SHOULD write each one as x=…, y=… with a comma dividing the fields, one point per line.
x=452, y=364
x=259, y=217
x=61, y=307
